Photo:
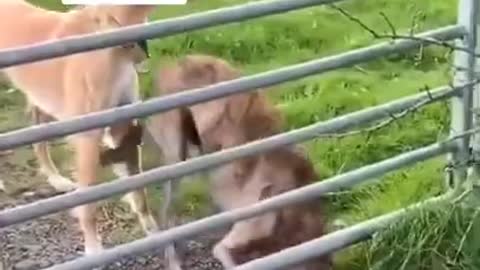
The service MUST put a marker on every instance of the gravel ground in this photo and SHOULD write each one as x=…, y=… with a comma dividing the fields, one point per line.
x=53, y=239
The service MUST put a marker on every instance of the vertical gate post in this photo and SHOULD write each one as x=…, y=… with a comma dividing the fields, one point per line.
x=461, y=104
x=474, y=175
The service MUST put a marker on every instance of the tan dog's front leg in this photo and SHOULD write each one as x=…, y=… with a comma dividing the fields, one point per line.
x=238, y=237
x=87, y=151
x=241, y=237
x=222, y=253
x=167, y=131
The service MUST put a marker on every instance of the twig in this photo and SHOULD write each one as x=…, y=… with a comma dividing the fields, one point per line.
x=395, y=117
x=395, y=36
x=414, y=24
x=389, y=23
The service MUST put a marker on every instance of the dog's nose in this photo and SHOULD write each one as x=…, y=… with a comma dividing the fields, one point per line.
x=144, y=46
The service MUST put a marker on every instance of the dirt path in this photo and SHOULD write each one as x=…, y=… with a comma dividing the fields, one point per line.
x=48, y=240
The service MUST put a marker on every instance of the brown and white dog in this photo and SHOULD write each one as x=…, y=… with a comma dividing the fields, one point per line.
x=74, y=85
x=228, y=122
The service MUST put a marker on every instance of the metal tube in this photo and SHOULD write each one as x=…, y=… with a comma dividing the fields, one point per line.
x=461, y=105
x=164, y=173
x=337, y=240
x=161, y=104
x=158, y=29
x=299, y=195
x=475, y=141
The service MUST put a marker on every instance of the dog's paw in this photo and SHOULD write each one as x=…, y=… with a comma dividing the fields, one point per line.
x=93, y=248
x=60, y=183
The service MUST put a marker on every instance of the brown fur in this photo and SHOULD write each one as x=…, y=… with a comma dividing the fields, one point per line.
x=69, y=86
x=298, y=223
x=228, y=122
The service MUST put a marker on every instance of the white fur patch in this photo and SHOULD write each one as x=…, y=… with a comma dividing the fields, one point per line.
x=149, y=224
x=130, y=200
x=120, y=169
x=193, y=150
x=108, y=140
x=93, y=248
x=60, y=183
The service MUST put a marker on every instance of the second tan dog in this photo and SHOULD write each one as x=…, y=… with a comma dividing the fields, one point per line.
x=228, y=122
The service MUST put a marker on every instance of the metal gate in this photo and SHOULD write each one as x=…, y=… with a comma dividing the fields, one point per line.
x=462, y=147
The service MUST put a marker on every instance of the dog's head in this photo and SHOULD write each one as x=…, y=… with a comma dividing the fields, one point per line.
x=195, y=71
x=109, y=17
x=124, y=15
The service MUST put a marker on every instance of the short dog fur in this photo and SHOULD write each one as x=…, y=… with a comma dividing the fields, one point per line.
x=69, y=86
x=228, y=122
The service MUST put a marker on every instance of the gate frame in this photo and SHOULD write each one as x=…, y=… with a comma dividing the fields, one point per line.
x=463, y=152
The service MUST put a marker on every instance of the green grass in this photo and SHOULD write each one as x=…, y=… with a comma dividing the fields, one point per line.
x=429, y=241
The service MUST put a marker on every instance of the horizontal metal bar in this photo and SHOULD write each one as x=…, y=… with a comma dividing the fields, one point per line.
x=337, y=240
x=249, y=83
x=304, y=194
x=157, y=29
x=174, y=171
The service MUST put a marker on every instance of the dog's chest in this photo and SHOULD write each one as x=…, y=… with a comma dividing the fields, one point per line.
x=124, y=85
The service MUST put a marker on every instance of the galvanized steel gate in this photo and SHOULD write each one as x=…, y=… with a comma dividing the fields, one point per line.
x=464, y=101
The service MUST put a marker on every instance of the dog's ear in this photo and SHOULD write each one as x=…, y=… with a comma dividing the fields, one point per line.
x=237, y=107
x=131, y=14
x=146, y=10
x=104, y=19
x=107, y=20
x=137, y=13
x=196, y=72
x=208, y=114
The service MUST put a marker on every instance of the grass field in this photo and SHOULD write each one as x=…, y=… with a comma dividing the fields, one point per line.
x=437, y=239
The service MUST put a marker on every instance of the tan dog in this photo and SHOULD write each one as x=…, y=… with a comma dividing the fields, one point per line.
x=73, y=85
x=228, y=122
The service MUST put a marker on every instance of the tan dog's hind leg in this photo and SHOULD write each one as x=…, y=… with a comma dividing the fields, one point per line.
x=87, y=151
x=138, y=204
x=42, y=153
